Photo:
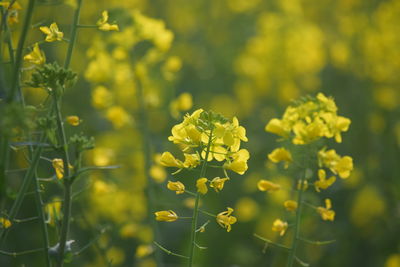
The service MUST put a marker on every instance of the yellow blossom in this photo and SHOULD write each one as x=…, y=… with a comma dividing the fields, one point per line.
x=279, y=226
x=265, y=185
x=52, y=33
x=118, y=116
x=276, y=126
x=53, y=211
x=239, y=162
x=5, y=223
x=344, y=167
x=225, y=220
x=12, y=17
x=166, y=216
x=101, y=97
x=104, y=25
x=158, y=173
x=178, y=187
x=183, y=102
x=143, y=251
x=280, y=154
x=326, y=213
x=218, y=183
x=73, y=120
x=201, y=185
x=168, y=160
x=191, y=160
x=58, y=165
x=323, y=183
x=37, y=56
x=290, y=205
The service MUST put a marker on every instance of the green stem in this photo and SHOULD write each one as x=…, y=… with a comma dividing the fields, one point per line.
x=72, y=40
x=296, y=235
x=20, y=48
x=149, y=190
x=39, y=206
x=66, y=179
x=196, y=206
x=29, y=175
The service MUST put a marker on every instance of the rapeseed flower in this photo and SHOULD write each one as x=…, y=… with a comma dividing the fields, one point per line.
x=166, y=216
x=52, y=33
x=225, y=220
x=326, y=213
x=279, y=226
x=37, y=56
x=103, y=24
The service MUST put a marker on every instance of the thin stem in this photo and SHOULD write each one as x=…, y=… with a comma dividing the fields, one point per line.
x=67, y=182
x=207, y=213
x=43, y=225
x=271, y=242
x=292, y=252
x=15, y=254
x=20, y=48
x=196, y=205
x=72, y=40
x=29, y=175
x=168, y=251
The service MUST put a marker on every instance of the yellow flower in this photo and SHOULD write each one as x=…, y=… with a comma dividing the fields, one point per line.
x=218, y=183
x=5, y=223
x=290, y=205
x=118, y=116
x=301, y=186
x=277, y=127
x=178, y=187
x=344, y=166
x=58, y=165
x=191, y=160
x=265, y=185
x=342, y=125
x=158, y=173
x=143, y=251
x=183, y=102
x=53, y=33
x=104, y=25
x=279, y=226
x=225, y=220
x=323, y=183
x=53, y=210
x=73, y=120
x=37, y=56
x=101, y=97
x=166, y=216
x=201, y=185
x=12, y=17
x=168, y=160
x=239, y=163
x=326, y=213
x=280, y=154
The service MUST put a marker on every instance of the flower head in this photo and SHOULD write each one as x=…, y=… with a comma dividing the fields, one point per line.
x=12, y=17
x=290, y=205
x=201, y=185
x=225, y=220
x=218, y=183
x=168, y=160
x=239, y=162
x=103, y=24
x=58, y=165
x=323, y=183
x=52, y=33
x=279, y=226
x=37, y=56
x=73, y=120
x=265, y=185
x=326, y=213
x=166, y=216
x=178, y=187
x=280, y=154
x=5, y=223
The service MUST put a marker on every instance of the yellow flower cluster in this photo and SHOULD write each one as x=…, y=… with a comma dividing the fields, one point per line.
x=309, y=121
x=193, y=136
x=203, y=137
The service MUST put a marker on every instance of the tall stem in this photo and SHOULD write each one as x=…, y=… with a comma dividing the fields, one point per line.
x=149, y=191
x=39, y=206
x=66, y=180
x=296, y=235
x=196, y=205
x=72, y=37
x=20, y=48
